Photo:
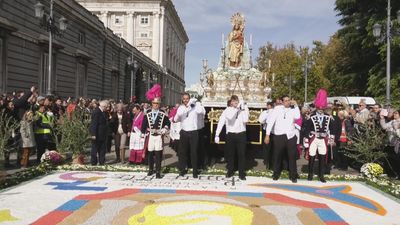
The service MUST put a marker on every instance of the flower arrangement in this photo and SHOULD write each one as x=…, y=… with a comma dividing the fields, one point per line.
x=371, y=170
x=52, y=157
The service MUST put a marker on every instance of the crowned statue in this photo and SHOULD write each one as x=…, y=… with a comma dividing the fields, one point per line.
x=235, y=74
x=236, y=40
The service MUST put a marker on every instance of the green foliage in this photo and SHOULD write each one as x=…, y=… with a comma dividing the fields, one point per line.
x=74, y=132
x=287, y=63
x=367, y=144
x=366, y=58
x=7, y=126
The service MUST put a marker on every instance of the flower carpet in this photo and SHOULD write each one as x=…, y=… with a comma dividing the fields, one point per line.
x=89, y=197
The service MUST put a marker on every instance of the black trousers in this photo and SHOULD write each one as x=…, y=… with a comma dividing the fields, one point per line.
x=267, y=148
x=158, y=156
x=42, y=142
x=236, y=145
x=98, y=148
x=201, y=151
x=281, y=146
x=188, y=144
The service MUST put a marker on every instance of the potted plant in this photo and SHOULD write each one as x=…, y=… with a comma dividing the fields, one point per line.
x=73, y=135
x=7, y=126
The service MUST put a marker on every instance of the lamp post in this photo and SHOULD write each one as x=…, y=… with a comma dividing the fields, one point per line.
x=306, y=68
x=377, y=28
x=291, y=81
x=133, y=64
x=50, y=26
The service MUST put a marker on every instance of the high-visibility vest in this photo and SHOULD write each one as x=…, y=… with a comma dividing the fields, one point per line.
x=45, y=120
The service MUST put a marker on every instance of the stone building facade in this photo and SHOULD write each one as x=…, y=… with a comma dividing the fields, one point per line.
x=154, y=28
x=88, y=58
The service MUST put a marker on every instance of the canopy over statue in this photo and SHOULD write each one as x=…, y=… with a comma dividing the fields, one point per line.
x=235, y=73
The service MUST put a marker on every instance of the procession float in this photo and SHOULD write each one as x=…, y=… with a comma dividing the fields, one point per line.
x=235, y=75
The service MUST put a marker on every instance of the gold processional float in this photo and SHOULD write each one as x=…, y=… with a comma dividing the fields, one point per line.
x=235, y=75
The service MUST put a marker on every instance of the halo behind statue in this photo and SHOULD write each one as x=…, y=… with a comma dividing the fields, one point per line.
x=238, y=18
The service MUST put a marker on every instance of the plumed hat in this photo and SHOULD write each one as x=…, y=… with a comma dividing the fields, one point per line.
x=154, y=94
x=321, y=100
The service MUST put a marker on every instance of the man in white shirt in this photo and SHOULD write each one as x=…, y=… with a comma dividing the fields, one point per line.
x=267, y=148
x=236, y=117
x=282, y=121
x=188, y=114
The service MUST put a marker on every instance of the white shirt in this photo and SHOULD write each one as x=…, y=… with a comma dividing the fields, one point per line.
x=189, y=116
x=263, y=118
x=235, y=120
x=221, y=124
x=200, y=119
x=174, y=131
x=284, y=121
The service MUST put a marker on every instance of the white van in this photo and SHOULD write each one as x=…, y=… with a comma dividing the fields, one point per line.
x=352, y=101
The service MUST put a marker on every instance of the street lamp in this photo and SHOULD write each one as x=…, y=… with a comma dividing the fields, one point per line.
x=291, y=81
x=306, y=69
x=376, y=31
x=133, y=64
x=50, y=26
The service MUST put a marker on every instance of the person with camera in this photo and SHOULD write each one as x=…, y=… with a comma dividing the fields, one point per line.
x=236, y=117
x=188, y=114
x=281, y=123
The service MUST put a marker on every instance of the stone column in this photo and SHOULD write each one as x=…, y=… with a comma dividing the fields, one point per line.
x=156, y=35
x=104, y=18
x=129, y=23
x=161, y=52
x=134, y=28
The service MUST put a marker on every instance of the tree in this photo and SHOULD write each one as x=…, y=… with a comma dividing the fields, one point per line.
x=7, y=126
x=365, y=59
x=287, y=64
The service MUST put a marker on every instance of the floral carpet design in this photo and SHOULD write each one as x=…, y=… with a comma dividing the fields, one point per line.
x=133, y=198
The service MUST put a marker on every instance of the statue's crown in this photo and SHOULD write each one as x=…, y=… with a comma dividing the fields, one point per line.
x=237, y=18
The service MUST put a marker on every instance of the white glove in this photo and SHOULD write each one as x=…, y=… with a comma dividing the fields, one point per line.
x=137, y=130
x=242, y=105
x=305, y=143
x=192, y=101
x=163, y=131
x=216, y=139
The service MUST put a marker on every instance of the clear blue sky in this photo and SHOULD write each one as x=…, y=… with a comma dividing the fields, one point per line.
x=279, y=22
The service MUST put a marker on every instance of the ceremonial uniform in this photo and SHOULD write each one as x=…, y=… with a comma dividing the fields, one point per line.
x=155, y=125
x=317, y=137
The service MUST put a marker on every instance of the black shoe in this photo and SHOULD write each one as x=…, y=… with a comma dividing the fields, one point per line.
x=242, y=177
x=150, y=173
x=229, y=175
x=182, y=173
x=310, y=177
x=322, y=179
x=158, y=176
x=294, y=180
x=195, y=176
